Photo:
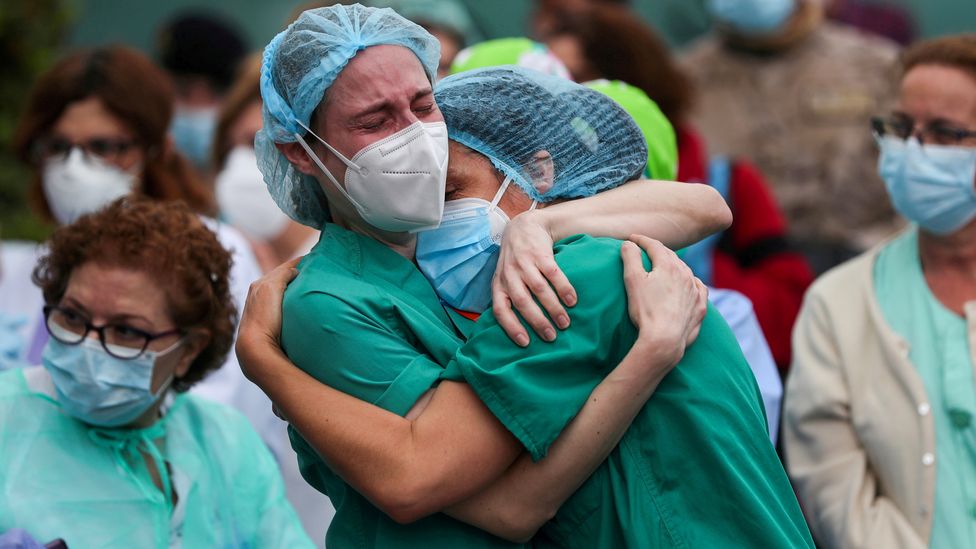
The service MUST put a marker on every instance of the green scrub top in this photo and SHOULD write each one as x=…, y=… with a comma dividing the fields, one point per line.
x=695, y=468
x=362, y=319
x=939, y=349
x=61, y=478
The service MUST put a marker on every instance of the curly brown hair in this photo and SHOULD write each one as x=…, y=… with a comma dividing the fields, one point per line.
x=957, y=51
x=132, y=88
x=170, y=243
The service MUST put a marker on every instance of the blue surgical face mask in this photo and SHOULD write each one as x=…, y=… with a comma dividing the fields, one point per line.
x=99, y=389
x=459, y=257
x=932, y=185
x=193, y=133
x=751, y=16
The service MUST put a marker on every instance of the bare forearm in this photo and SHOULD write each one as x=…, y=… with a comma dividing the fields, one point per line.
x=677, y=214
x=353, y=437
x=530, y=493
x=407, y=468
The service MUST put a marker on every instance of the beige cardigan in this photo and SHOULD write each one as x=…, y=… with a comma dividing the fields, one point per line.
x=857, y=429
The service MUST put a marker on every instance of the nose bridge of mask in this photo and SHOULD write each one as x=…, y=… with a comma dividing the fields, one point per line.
x=416, y=127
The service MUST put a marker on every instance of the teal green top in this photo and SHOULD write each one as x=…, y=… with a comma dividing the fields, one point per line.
x=939, y=349
x=362, y=319
x=695, y=469
x=61, y=478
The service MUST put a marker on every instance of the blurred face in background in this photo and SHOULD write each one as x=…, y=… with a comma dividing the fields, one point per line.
x=450, y=46
x=88, y=158
x=569, y=50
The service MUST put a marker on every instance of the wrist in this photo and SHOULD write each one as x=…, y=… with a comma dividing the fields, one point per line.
x=651, y=346
x=545, y=219
x=638, y=374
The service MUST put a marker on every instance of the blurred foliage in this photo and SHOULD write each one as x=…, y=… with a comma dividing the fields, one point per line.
x=31, y=35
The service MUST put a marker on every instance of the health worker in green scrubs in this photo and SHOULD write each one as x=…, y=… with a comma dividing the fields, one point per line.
x=696, y=468
x=363, y=319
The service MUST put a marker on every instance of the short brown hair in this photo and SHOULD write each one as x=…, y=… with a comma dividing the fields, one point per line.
x=132, y=88
x=620, y=46
x=957, y=51
x=169, y=243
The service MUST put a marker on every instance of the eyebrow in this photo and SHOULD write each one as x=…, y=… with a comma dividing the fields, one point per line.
x=74, y=304
x=384, y=104
x=936, y=120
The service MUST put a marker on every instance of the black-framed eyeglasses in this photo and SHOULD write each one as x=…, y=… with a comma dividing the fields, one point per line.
x=106, y=148
x=936, y=133
x=125, y=342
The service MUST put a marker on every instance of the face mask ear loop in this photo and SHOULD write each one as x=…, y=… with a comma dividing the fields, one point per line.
x=156, y=355
x=318, y=162
x=500, y=193
x=342, y=157
x=534, y=204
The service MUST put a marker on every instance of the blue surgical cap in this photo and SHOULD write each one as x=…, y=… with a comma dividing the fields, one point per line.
x=510, y=114
x=298, y=66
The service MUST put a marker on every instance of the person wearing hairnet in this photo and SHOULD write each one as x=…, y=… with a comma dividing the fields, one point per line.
x=557, y=141
x=780, y=85
x=382, y=97
x=371, y=70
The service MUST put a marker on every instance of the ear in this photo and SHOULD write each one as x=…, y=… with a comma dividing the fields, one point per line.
x=196, y=342
x=542, y=171
x=296, y=154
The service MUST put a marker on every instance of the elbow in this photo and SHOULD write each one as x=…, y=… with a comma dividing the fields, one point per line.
x=404, y=502
x=519, y=524
x=719, y=213
x=527, y=525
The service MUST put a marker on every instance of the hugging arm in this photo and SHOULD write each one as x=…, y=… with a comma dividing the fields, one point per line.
x=677, y=214
x=454, y=455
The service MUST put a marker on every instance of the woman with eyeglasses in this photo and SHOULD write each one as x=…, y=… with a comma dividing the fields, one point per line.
x=880, y=416
x=101, y=447
x=94, y=129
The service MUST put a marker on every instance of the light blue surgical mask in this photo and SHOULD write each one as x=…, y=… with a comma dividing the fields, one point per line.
x=459, y=257
x=932, y=185
x=99, y=389
x=193, y=133
x=751, y=16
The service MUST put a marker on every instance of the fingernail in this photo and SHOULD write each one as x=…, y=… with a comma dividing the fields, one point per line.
x=522, y=340
x=569, y=299
x=562, y=321
x=549, y=334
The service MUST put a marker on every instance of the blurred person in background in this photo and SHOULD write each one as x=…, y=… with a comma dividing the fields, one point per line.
x=242, y=196
x=753, y=256
x=791, y=92
x=880, y=418
x=546, y=13
x=449, y=21
x=94, y=130
x=101, y=447
x=201, y=52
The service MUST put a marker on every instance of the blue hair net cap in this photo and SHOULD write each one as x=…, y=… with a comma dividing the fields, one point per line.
x=298, y=66
x=553, y=137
